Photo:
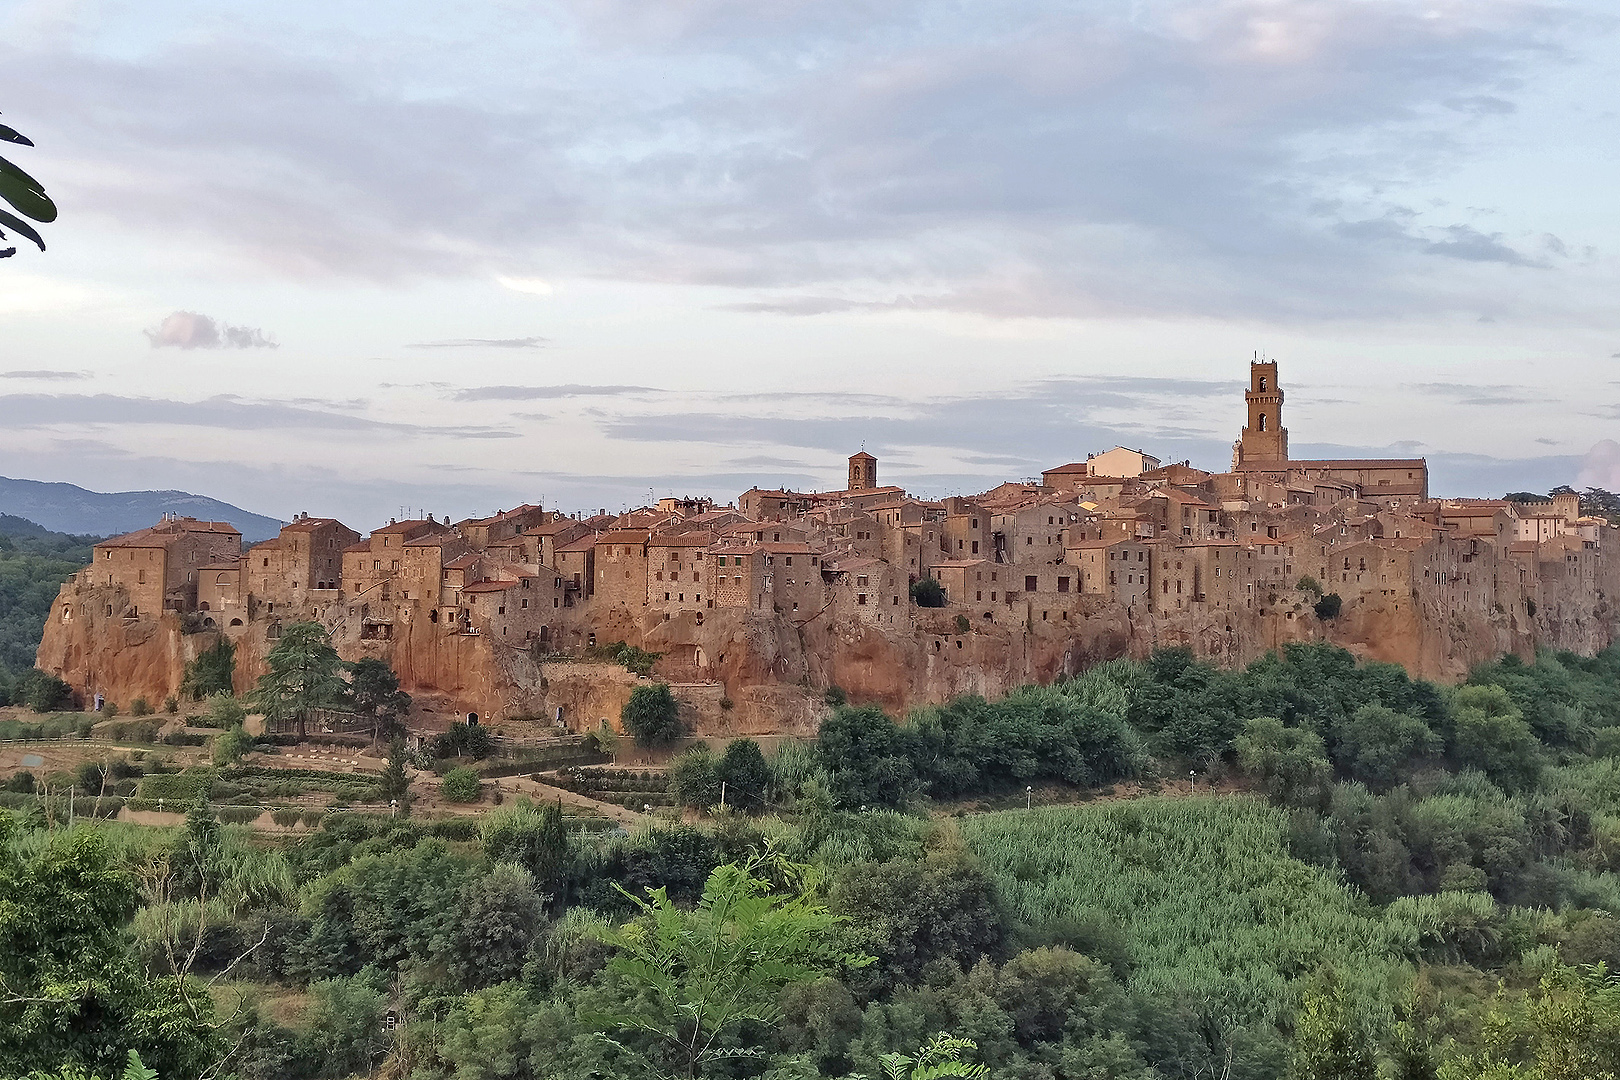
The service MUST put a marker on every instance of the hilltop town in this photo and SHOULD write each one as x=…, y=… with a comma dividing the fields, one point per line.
x=759, y=606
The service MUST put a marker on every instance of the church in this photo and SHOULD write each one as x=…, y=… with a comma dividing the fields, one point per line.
x=1262, y=450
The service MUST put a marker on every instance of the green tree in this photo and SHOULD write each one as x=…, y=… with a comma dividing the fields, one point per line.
x=497, y=919
x=928, y=593
x=867, y=758
x=42, y=692
x=1378, y=745
x=652, y=716
x=1327, y=1044
x=940, y=1057
x=703, y=974
x=303, y=676
x=745, y=774
x=694, y=778
x=375, y=694
x=535, y=838
x=212, y=671
x=394, y=782
x=1489, y=733
x=26, y=196
x=224, y=711
x=461, y=785
x=1328, y=608
x=1290, y=762
x=71, y=991
x=230, y=746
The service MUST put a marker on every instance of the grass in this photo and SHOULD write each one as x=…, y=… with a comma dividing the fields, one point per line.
x=1212, y=905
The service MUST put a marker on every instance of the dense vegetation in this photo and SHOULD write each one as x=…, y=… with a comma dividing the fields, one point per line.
x=33, y=564
x=1416, y=881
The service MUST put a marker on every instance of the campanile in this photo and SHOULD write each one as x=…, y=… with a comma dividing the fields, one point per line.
x=1264, y=440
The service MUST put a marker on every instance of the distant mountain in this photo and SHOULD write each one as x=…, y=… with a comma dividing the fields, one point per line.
x=69, y=509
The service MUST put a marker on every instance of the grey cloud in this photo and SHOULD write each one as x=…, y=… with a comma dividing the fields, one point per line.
x=1466, y=242
x=541, y=393
x=1481, y=394
x=189, y=330
x=1026, y=159
x=45, y=376
x=491, y=343
x=222, y=411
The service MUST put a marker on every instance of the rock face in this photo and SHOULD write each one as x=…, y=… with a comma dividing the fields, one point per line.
x=742, y=672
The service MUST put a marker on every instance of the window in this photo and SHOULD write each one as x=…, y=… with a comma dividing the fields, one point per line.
x=501, y=610
x=1063, y=584
x=1031, y=583
x=525, y=602
x=975, y=547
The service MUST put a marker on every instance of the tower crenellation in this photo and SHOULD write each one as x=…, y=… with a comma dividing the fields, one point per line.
x=1264, y=439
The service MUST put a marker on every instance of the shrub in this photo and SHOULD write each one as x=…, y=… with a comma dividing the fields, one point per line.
x=224, y=711
x=314, y=818
x=287, y=817
x=23, y=781
x=171, y=704
x=461, y=785
x=1310, y=585
x=237, y=815
x=1328, y=607
x=639, y=661
x=140, y=707
x=42, y=692
x=463, y=740
x=746, y=775
x=694, y=778
x=90, y=777
x=928, y=593
x=229, y=747
x=109, y=710
x=962, y=624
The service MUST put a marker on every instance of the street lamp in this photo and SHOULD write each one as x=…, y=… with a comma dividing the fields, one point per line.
x=393, y=807
x=1192, y=778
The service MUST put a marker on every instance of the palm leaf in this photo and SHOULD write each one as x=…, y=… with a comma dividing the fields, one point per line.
x=25, y=193
x=12, y=221
x=13, y=136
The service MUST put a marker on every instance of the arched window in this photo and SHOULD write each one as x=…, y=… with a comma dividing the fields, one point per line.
x=1262, y=422
x=1262, y=384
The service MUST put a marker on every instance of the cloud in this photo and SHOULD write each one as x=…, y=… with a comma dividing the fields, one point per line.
x=189, y=330
x=1482, y=394
x=484, y=343
x=1199, y=157
x=531, y=286
x=52, y=376
x=539, y=393
x=221, y=411
x=1601, y=466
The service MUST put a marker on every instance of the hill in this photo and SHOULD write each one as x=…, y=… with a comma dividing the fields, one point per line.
x=64, y=508
x=34, y=561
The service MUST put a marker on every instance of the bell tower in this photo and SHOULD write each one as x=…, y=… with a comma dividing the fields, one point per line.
x=862, y=472
x=1264, y=440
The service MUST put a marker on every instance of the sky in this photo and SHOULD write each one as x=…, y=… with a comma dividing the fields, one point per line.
x=361, y=259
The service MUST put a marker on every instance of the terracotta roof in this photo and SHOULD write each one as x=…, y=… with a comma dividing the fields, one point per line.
x=786, y=548
x=221, y=566
x=363, y=545
x=1071, y=467
x=461, y=562
x=310, y=524
x=958, y=564
x=167, y=532
x=580, y=543
x=412, y=525
x=624, y=536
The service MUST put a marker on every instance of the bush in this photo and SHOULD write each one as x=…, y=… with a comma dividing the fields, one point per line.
x=178, y=788
x=652, y=716
x=23, y=781
x=461, y=785
x=1328, y=607
x=287, y=817
x=463, y=740
x=1310, y=585
x=109, y=710
x=90, y=777
x=313, y=819
x=140, y=707
x=694, y=778
x=231, y=746
x=639, y=661
x=42, y=692
x=746, y=775
x=171, y=704
x=237, y=815
x=224, y=712
x=928, y=593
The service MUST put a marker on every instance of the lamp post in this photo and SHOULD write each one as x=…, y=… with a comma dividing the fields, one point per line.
x=1192, y=778
x=393, y=807
x=1029, y=797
